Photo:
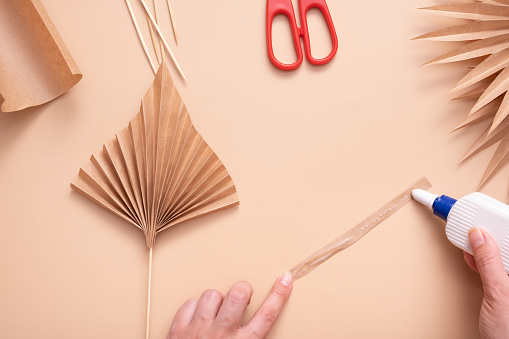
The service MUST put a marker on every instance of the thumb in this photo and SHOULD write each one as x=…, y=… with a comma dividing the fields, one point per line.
x=488, y=261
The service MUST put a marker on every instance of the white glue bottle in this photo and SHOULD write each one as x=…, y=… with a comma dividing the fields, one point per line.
x=474, y=210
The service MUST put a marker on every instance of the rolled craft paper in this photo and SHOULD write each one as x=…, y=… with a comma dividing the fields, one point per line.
x=35, y=65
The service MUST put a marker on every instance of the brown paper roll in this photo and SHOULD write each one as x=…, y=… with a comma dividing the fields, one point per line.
x=35, y=65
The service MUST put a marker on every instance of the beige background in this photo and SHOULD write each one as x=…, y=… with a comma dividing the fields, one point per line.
x=312, y=152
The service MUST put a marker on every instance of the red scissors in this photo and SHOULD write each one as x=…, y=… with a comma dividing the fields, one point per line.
x=275, y=7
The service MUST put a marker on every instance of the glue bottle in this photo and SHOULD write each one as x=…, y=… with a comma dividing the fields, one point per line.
x=474, y=210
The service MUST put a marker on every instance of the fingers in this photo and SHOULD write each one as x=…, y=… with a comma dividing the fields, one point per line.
x=208, y=306
x=267, y=314
x=183, y=317
x=469, y=259
x=234, y=305
x=218, y=316
x=488, y=262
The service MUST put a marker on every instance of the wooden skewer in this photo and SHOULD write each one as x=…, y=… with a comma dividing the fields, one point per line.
x=163, y=39
x=156, y=12
x=133, y=18
x=172, y=21
x=152, y=35
x=149, y=285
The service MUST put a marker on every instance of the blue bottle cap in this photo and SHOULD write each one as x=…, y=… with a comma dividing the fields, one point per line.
x=442, y=206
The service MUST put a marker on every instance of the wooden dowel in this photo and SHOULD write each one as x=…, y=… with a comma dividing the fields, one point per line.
x=164, y=40
x=140, y=36
x=170, y=9
x=153, y=37
x=156, y=12
x=149, y=287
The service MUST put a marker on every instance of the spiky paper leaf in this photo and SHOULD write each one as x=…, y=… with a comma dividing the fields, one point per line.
x=487, y=36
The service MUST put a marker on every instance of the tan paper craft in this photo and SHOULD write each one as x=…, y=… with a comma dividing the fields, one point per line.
x=35, y=65
x=354, y=234
x=487, y=37
x=158, y=171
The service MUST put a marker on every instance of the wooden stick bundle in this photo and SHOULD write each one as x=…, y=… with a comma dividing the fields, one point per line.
x=154, y=23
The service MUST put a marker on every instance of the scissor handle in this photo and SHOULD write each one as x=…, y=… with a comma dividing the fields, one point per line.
x=304, y=7
x=285, y=7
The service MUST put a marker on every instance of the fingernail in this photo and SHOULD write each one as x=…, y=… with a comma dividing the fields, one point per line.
x=476, y=237
x=286, y=279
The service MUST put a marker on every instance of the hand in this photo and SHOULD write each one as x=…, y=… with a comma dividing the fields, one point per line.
x=218, y=316
x=494, y=316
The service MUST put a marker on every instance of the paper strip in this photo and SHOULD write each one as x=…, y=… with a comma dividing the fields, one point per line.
x=353, y=235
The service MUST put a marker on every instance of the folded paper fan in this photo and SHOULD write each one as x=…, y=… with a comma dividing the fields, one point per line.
x=487, y=36
x=158, y=171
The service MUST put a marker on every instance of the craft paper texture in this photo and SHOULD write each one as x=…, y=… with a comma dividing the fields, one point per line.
x=311, y=153
x=158, y=171
x=35, y=65
x=487, y=38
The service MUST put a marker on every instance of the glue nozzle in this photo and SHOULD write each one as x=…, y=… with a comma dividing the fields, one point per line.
x=424, y=197
x=440, y=205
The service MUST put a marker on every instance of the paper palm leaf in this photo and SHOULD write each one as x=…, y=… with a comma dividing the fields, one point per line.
x=158, y=171
x=487, y=37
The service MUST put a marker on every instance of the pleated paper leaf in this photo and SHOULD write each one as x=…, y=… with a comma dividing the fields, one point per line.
x=473, y=11
x=499, y=159
x=472, y=31
x=473, y=93
x=488, y=139
x=488, y=67
x=497, y=2
x=482, y=114
x=158, y=171
x=474, y=49
x=487, y=37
